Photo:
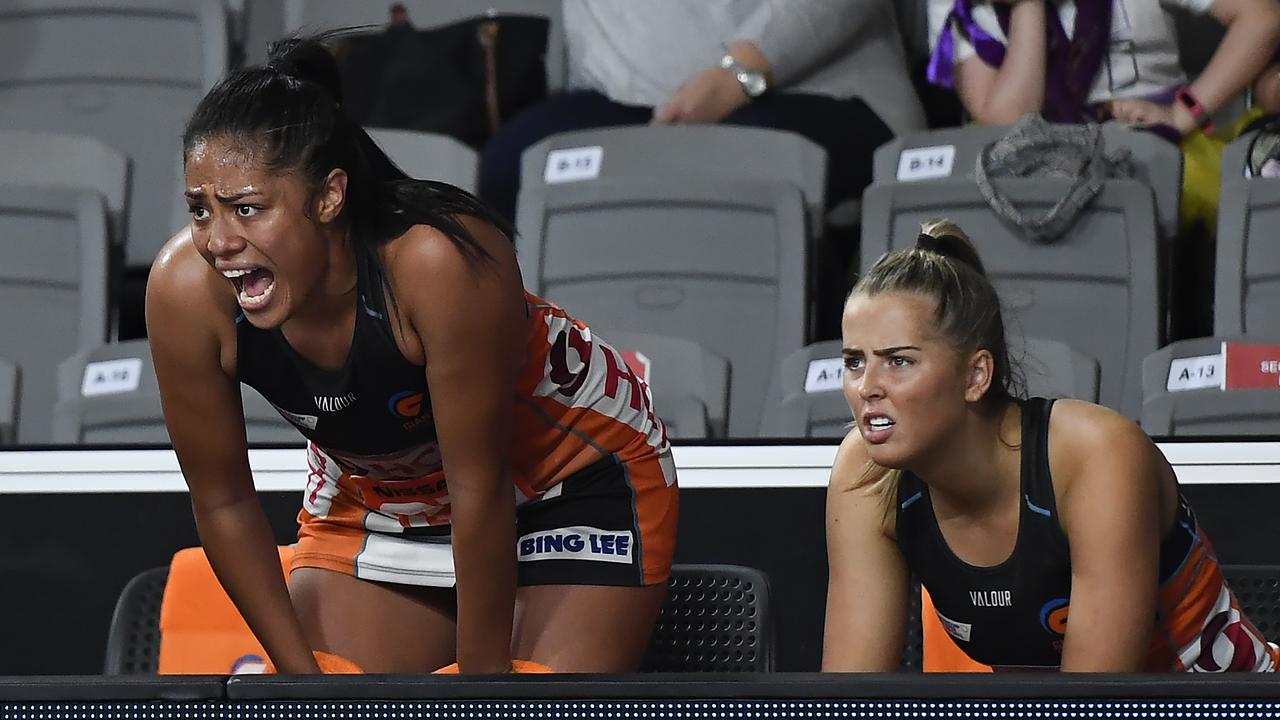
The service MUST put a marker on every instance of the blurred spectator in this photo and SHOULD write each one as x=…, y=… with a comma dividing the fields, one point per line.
x=833, y=71
x=1064, y=63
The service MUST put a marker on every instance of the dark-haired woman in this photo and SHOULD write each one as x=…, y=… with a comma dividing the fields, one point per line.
x=1048, y=534
x=487, y=479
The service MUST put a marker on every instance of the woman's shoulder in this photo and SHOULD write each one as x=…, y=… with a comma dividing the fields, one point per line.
x=1085, y=437
x=181, y=277
x=427, y=246
x=1079, y=423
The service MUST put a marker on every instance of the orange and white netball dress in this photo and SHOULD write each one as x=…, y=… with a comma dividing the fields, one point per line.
x=591, y=468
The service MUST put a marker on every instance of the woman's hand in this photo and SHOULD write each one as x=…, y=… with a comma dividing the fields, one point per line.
x=1134, y=111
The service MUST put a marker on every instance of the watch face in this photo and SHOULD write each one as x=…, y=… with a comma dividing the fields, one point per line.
x=753, y=83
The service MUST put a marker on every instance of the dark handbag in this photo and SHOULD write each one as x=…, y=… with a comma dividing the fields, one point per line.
x=462, y=79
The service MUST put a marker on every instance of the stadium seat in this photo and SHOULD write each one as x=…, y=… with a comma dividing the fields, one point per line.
x=428, y=156
x=690, y=384
x=137, y=71
x=53, y=286
x=1247, y=266
x=716, y=618
x=714, y=261
x=1205, y=411
x=128, y=410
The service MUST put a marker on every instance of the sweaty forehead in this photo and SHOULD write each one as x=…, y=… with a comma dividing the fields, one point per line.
x=213, y=154
x=226, y=165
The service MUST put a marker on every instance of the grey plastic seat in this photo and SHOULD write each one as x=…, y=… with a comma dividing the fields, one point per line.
x=806, y=397
x=128, y=72
x=721, y=263
x=1156, y=162
x=1095, y=288
x=10, y=376
x=128, y=411
x=76, y=162
x=53, y=288
x=694, y=151
x=1247, y=265
x=326, y=14
x=430, y=156
x=1206, y=411
x=690, y=384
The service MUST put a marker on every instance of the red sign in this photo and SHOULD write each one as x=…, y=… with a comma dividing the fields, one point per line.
x=1252, y=366
x=638, y=363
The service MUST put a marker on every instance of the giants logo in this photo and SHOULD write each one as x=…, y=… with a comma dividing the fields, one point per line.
x=411, y=406
x=1053, y=616
x=583, y=373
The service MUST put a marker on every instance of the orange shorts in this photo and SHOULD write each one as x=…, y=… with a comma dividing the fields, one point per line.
x=610, y=523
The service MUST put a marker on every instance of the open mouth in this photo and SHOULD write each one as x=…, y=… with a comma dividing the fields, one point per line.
x=876, y=428
x=253, y=286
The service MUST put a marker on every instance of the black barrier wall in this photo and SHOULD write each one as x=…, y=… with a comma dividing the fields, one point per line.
x=68, y=556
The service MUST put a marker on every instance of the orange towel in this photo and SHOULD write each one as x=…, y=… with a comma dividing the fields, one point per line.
x=330, y=664
x=201, y=632
x=520, y=666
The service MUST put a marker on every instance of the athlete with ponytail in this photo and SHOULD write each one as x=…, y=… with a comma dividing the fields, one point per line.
x=487, y=479
x=1048, y=534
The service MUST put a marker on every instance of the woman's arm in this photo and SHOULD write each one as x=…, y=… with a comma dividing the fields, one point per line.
x=999, y=96
x=1266, y=90
x=470, y=318
x=1108, y=477
x=867, y=583
x=203, y=412
x=1253, y=29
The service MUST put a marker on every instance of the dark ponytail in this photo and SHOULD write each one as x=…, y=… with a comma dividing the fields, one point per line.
x=289, y=114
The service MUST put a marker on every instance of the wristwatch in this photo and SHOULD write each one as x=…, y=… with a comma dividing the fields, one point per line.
x=753, y=83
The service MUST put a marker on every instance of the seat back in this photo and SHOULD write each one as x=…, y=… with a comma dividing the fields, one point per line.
x=716, y=618
x=1247, y=266
x=53, y=287
x=74, y=162
x=952, y=154
x=137, y=71
x=1095, y=288
x=661, y=152
x=133, y=641
x=430, y=156
x=684, y=257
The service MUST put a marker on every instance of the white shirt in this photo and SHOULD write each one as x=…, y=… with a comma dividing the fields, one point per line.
x=1143, y=57
x=638, y=52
